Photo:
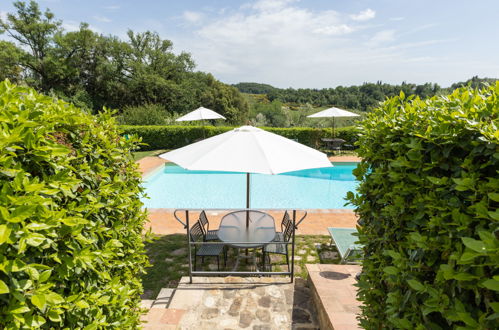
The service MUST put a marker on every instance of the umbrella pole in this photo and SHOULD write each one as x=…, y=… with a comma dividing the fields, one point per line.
x=247, y=198
x=333, y=127
x=204, y=132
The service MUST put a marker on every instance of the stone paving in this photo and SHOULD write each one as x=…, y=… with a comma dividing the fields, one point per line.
x=244, y=303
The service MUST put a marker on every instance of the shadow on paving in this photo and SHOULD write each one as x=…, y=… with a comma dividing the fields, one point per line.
x=168, y=256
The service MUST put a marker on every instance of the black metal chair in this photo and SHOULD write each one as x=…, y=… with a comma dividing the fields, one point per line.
x=285, y=222
x=336, y=144
x=209, y=235
x=205, y=249
x=280, y=248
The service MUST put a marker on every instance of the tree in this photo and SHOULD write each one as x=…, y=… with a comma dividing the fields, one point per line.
x=34, y=31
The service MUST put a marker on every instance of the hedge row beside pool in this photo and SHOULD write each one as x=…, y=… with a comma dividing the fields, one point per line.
x=172, y=137
x=428, y=203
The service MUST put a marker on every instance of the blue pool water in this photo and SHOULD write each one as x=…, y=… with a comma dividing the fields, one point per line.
x=323, y=188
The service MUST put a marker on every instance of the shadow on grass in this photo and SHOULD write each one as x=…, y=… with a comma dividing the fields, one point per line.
x=168, y=256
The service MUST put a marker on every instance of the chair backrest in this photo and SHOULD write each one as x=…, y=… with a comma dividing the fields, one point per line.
x=203, y=219
x=286, y=221
x=288, y=232
x=196, y=232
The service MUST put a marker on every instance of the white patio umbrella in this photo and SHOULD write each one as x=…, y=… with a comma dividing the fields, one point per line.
x=247, y=149
x=333, y=112
x=202, y=114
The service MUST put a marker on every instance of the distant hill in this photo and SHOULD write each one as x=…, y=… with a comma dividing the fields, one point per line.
x=254, y=88
x=362, y=98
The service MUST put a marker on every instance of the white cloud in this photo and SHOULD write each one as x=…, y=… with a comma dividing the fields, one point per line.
x=284, y=44
x=423, y=27
x=364, y=15
x=397, y=18
x=102, y=19
x=3, y=15
x=70, y=25
x=382, y=37
x=269, y=5
x=192, y=16
x=334, y=29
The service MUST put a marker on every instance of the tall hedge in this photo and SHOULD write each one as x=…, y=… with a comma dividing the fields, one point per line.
x=171, y=137
x=428, y=206
x=71, y=250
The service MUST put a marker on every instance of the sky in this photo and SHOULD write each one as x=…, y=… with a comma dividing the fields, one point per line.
x=309, y=43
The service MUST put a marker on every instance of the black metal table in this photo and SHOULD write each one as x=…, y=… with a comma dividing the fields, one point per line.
x=247, y=229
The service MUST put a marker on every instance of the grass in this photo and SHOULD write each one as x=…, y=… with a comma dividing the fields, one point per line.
x=168, y=257
x=141, y=154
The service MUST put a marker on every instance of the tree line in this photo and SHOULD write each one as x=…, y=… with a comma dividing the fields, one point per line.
x=95, y=71
x=361, y=98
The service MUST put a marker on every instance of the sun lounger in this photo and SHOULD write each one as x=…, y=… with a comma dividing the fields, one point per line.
x=344, y=241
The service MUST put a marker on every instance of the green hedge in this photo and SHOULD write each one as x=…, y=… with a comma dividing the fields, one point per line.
x=71, y=250
x=171, y=137
x=428, y=205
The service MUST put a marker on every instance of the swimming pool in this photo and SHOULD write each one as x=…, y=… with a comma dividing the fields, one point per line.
x=322, y=188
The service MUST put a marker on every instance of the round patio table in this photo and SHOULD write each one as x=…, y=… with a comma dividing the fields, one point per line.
x=259, y=229
x=247, y=233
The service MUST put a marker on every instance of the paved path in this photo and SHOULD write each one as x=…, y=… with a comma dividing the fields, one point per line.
x=334, y=294
x=244, y=303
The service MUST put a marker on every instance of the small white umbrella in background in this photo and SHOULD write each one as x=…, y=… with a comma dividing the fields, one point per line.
x=247, y=149
x=200, y=113
x=333, y=112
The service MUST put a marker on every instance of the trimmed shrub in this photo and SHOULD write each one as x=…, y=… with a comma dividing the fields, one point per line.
x=171, y=137
x=428, y=205
x=71, y=250
x=146, y=114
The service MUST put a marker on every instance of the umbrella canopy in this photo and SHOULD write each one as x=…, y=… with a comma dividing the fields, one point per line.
x=247, y=149
x=200, y=114
x=333, y=113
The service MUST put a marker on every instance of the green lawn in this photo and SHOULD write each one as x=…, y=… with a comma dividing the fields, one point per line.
x=141, y=154
x=168, y=257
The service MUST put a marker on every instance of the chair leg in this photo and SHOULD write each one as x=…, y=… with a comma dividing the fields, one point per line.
x=287, y=261
x=195, y=258
x=218, y=263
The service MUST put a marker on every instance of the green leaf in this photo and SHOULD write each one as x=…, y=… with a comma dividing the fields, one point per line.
x=491, y=284
x=391, y=270
x=464, y=277
x=35, y=239
x=44, y=276
x=82, y=304
x=20, y=310
x=74, y=221
x=416, y=285
x=91, y=327
x=474, y=244
x=494, y=214
x=494, y=196
x=38, y=300
x=4, y=233
x=36, y=321
x=3, y=287
x=54, y=316
x=54, y=298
